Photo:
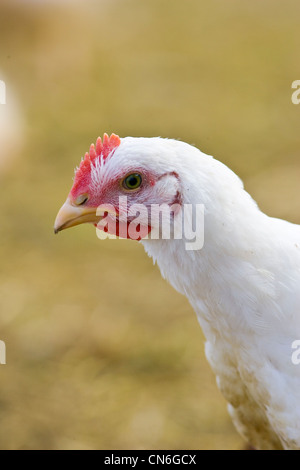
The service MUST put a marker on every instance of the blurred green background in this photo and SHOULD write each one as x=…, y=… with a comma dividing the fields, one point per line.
x=101, y=352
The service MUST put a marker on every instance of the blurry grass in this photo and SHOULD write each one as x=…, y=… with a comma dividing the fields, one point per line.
x=101, y=352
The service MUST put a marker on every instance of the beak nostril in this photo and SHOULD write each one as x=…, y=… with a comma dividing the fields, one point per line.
x=81, y=200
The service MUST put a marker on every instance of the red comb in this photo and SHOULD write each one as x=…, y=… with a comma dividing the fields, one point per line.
x=103, y=150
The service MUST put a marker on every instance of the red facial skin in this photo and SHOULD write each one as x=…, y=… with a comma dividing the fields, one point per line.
x=110, y=193
x=113, y=189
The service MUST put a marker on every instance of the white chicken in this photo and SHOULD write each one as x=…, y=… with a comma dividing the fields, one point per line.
x=244, y=283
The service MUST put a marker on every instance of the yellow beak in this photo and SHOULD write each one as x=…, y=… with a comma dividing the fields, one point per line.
x=70, y=215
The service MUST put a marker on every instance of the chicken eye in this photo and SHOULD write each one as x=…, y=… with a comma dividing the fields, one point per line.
x=132, y=181
x=82, y=199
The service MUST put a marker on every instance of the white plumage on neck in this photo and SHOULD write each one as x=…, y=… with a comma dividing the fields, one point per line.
x=245, y=288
